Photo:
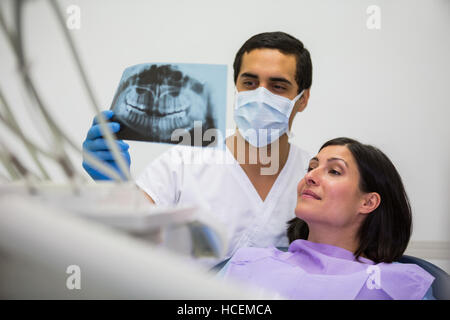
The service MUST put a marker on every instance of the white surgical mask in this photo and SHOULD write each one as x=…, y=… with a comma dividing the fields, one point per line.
x=261, y=116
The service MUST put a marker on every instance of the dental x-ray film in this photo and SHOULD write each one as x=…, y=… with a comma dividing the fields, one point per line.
x=178, y=103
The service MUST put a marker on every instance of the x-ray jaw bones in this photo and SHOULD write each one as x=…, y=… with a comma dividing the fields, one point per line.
x=160, y=99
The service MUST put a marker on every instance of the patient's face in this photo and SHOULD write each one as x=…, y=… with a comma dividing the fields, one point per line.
x=329, y=193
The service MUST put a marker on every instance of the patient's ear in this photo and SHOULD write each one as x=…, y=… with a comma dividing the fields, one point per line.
x=370, y=202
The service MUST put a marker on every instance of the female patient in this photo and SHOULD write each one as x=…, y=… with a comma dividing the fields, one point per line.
x=353, y=221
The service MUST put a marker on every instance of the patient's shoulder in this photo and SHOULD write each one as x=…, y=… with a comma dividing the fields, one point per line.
x=410, y=271
x=405, y=280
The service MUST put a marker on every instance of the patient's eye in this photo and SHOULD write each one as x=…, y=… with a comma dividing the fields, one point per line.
x=334, y=172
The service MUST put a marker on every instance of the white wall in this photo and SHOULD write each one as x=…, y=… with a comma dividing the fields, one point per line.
x=386, y=87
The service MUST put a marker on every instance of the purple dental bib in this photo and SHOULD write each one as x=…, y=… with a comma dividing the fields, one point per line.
x=320, y=271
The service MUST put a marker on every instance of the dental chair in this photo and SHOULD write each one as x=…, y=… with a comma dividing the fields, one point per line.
x=440, y=286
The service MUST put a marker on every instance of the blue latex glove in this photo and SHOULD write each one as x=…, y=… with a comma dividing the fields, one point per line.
x=96, y=145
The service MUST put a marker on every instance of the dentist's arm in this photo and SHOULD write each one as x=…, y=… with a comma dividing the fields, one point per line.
x=148, y=197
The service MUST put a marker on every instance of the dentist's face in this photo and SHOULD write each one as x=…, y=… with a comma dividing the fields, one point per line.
x=268, y=68
x=329, y=193
x=275, y=71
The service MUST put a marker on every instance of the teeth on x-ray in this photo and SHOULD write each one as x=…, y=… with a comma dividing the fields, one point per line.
x=160, y=99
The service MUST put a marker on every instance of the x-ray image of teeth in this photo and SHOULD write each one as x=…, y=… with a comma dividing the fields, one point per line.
x=172, y=103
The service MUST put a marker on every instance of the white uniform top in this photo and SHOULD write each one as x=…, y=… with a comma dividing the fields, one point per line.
x=213, y=178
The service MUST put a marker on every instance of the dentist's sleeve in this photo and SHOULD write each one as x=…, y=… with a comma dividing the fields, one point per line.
x=162, y=178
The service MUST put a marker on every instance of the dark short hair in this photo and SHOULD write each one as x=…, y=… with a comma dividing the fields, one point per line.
x=384, y=234
x=286, y=44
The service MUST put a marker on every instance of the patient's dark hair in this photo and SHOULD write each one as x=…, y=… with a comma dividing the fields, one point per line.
x=284, y=43
x=384, y=234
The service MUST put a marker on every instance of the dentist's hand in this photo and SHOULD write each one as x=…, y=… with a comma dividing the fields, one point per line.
x=96, y=145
